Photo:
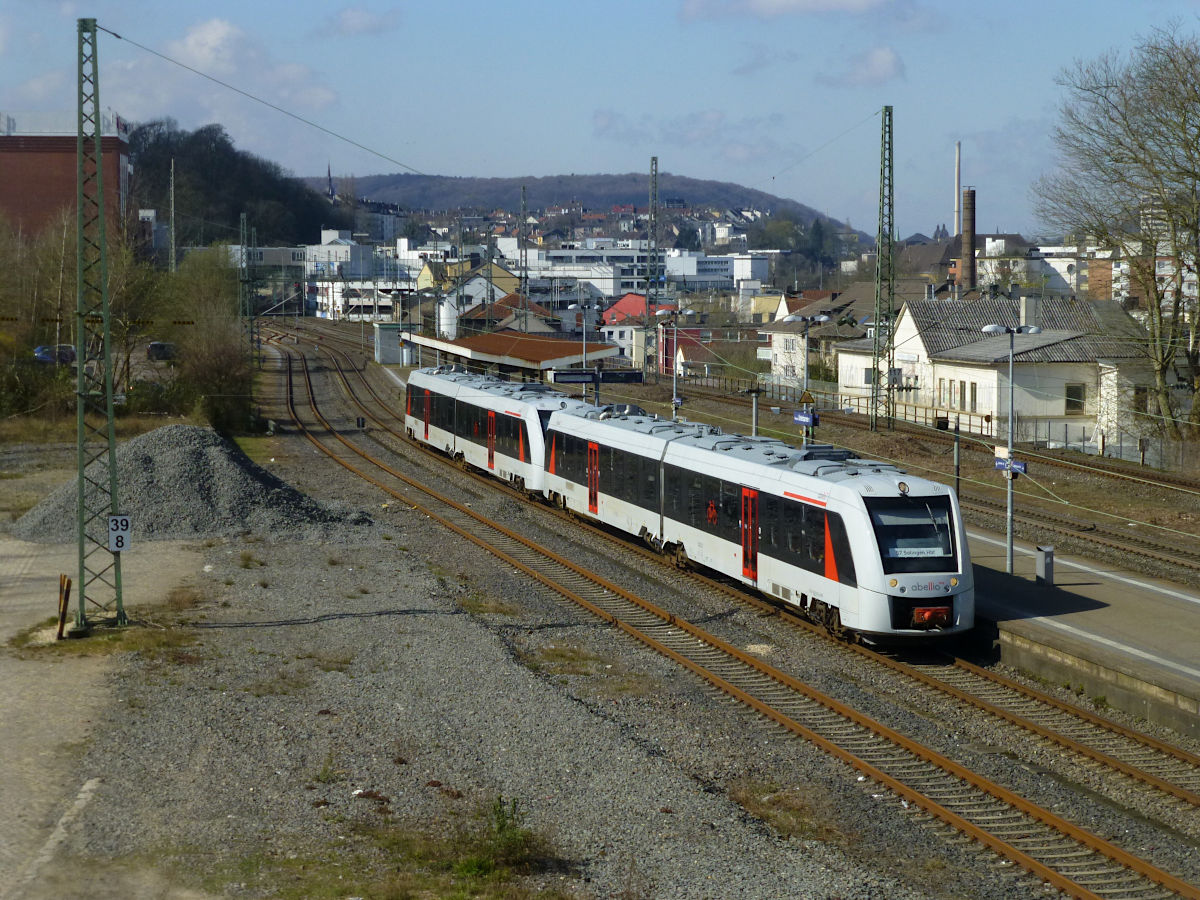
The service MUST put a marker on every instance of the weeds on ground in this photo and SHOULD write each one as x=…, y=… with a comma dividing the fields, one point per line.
x=566, y=659
x=159, y=634
x=786, y=810
x=328, y=661
x=478, y=604
x=329, y=773
x=486, y=856
x=247, y=560
x=280, y=684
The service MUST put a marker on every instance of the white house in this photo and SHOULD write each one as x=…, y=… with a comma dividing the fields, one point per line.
x=1083, y=378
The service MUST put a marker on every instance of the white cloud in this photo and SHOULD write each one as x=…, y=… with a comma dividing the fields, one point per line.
x=759, y=56
x=709, y=130
x=352, y=21
x=147, y=88
x=876, y=66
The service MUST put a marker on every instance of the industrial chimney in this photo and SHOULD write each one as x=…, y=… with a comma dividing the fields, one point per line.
x=966, y=268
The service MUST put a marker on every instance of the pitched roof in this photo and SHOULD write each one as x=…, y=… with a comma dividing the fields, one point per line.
x=506, y=304
x=525, y=347
x=1073, y=330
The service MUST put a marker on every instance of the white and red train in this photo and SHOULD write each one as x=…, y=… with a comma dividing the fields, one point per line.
x=858, y=545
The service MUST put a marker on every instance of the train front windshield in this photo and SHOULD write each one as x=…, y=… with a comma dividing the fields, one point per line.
x=915, y=534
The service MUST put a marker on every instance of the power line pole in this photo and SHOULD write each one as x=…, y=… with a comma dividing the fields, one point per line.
x=98, y=504
x=172, y=229
x=651, y=259
x=883, y=345
x=524, y=260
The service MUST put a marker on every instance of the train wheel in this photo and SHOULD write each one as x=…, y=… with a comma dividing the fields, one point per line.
x=681, y=557
x=460, y=460
x=830, y=618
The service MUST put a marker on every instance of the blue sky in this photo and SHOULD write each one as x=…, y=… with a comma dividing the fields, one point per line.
x=779, y=95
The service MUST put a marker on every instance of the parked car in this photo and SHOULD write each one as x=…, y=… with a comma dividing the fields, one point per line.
x=61, y=354
x=160, y=350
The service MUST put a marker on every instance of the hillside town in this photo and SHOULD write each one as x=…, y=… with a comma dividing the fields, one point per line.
x=681, y=291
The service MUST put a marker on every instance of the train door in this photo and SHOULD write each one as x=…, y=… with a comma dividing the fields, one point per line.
x=750, y=534
x=428, y=408
x=593, y=476
x=491, y=439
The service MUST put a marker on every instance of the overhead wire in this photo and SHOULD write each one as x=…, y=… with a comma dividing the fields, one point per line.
x=266, y=103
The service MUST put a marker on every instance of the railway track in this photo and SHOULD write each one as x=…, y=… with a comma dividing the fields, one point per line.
x=1097, y=535
x=1053, y=850
x=1175, y=556
x=1145, y=760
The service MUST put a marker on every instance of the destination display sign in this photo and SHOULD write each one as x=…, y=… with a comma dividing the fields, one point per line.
x=576, y=376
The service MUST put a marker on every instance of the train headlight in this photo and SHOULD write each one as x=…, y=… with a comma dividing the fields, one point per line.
x=893, y=583
x=953, y=582
x=902, y=487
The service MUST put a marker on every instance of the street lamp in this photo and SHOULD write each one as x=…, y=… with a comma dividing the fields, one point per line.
x=583, y=311
x=674, y=314
x=1011, y=332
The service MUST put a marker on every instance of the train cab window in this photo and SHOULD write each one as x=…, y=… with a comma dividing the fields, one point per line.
x=915, y=534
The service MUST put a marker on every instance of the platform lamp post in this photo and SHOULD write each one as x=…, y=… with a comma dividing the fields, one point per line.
x=808, y=322
x=1008, y=473
x=674, y=314
x=583, y=311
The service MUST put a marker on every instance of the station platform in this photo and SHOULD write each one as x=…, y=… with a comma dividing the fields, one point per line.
x=1116, y=638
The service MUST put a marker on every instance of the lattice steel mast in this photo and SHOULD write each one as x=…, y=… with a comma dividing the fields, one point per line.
x=96, y=452
x=883, y=344
x=651, y=271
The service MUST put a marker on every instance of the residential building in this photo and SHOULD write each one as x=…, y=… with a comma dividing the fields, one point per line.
x=1083, y=378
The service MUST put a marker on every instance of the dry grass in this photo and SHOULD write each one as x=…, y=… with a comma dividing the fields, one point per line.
x=597, y=675
x=789, y=811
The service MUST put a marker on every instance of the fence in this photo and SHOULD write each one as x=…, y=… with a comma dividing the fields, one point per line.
x=1156, y=451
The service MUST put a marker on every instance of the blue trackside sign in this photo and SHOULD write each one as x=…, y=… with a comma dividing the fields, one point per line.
x=800, y=417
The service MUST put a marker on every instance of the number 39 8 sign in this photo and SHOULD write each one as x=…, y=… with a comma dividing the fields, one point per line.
x=118, y=533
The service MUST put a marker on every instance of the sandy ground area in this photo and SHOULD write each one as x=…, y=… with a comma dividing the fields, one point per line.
x=48, y=708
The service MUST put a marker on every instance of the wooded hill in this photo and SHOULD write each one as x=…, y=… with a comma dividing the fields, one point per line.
x=215, y=183
x=598, y=193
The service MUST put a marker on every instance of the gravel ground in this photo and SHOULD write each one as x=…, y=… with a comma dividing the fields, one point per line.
x=339, y=652
x=353, y=667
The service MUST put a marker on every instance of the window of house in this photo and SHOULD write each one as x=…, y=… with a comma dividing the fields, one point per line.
x=962, y=395
x=973, y=406
x=868, y=376
x=1141, y=400
x=941, y=398
x=1076, y=395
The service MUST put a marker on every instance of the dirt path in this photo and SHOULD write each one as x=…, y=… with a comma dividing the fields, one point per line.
x=48, y=707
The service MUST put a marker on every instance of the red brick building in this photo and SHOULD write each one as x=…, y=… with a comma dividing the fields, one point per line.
x=38, y=176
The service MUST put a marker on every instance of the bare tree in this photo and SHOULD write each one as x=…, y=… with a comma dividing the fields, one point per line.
x=1128, y=178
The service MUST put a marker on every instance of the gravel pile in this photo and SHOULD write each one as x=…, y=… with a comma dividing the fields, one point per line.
x=181, y=482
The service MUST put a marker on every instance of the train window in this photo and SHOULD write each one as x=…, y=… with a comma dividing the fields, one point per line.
x=914, y=533
x=731, y=510
x=648, y=484
x=673, y=493
x=839, y=539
